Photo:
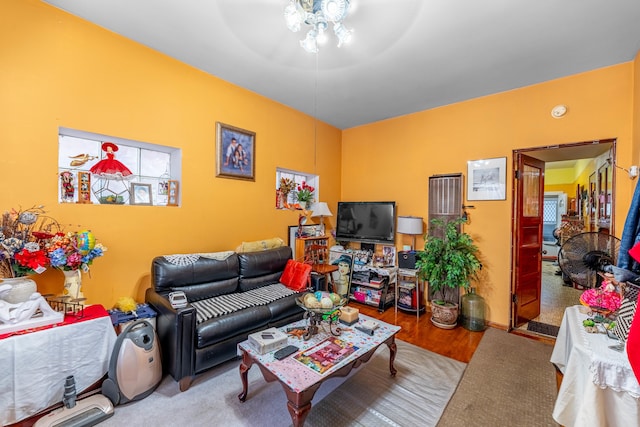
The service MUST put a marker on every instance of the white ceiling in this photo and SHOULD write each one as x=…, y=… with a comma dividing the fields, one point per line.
x=406, y=56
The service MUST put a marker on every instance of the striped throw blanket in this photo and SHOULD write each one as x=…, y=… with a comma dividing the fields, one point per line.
x=225, y=304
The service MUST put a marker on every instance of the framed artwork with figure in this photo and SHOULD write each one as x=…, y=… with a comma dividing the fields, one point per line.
x=235, y=152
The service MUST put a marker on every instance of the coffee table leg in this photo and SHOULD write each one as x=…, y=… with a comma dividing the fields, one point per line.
x=391, y=343
x=245, y=365
x=299, y=404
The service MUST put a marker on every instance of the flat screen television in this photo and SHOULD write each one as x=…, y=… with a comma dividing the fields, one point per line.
x=372, y=222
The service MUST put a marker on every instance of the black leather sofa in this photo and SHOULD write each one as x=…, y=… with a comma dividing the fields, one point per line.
x=192, y=343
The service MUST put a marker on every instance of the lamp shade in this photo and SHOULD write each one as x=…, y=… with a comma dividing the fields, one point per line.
x=320, y=209
x=410, y=225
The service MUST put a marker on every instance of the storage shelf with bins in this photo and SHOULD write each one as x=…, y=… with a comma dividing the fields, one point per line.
x=374, y=286
x=409, y=295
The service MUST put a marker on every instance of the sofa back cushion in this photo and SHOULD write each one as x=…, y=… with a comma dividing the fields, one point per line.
x=262, y=268
x=199, y=277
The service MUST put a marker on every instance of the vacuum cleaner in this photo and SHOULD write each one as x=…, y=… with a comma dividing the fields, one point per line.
x=83, y=413
x=135, y=369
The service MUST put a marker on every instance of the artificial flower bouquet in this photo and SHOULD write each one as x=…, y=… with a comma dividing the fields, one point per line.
x=74, y=250
x=31, y=241
x=604, y=299
x=305, y=192
x=24, y=235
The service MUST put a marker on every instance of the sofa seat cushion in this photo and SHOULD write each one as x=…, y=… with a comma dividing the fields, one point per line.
x=230, y=303
x=240, y=322
x=284, y=307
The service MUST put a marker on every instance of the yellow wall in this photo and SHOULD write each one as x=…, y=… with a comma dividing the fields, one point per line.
x=393, y=159
x=58, y=70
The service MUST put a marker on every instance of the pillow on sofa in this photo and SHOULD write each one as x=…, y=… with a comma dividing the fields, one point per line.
x=296, y=275
x=260, y=245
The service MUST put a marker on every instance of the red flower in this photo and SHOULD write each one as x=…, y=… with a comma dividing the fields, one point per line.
x=32, y=260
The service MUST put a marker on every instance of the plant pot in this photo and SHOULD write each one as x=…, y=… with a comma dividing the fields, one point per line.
x=444, y=315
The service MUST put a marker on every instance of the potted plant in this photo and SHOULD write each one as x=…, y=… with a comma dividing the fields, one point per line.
x=449, y=262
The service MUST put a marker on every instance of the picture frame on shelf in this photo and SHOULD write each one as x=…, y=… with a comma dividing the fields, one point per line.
x=140, y=194
x=389, y=255
x=173, y=192
x=235, y=152
x=487, y=179
x=84, y=187
x=342, y=277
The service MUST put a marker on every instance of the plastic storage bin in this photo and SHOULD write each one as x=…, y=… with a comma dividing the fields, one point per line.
x=121, y=320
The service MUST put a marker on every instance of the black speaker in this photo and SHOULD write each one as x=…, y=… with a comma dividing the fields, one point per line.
x=407, y=259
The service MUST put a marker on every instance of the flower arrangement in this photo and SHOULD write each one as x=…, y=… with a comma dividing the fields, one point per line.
x=602, y=299
x=74, y=250
x=286, y=185
x=24, y=235
x=31, y=241
x=304, y=192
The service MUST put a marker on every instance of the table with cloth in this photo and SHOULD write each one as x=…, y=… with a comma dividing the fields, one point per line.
x=598, y=386
x=36, y=362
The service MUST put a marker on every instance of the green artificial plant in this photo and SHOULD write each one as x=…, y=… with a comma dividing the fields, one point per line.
x=450, y=261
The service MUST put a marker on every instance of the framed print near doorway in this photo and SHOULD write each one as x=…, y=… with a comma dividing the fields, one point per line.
x=486, y=179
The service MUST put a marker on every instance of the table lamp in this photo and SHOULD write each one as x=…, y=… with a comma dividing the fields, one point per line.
x=320, y=209
x=410, y=225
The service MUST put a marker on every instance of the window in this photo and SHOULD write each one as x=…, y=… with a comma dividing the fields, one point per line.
x=118, y=163
x=297, y=178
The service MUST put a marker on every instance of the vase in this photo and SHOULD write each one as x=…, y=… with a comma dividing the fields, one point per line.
x=21, y=289
x=303, y=205
x=73, y=284
x=472, y=311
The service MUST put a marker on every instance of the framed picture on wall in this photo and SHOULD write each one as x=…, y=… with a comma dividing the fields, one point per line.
x=235, y=152
x=486, y=179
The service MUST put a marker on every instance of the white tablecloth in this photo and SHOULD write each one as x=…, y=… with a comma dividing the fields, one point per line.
x=34, y=366
x=599, y=387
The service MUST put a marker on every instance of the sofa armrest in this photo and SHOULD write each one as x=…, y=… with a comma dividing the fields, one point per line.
x=176, y=332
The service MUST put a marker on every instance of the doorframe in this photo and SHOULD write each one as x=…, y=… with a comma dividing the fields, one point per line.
x=515, y=196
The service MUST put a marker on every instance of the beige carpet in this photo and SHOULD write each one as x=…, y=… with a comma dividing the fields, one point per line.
x=509, y=381
x=369, y=397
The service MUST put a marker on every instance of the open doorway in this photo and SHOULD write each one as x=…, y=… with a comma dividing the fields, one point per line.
x=578, y=189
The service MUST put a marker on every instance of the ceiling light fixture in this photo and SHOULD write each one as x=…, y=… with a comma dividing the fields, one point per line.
x=318, y=14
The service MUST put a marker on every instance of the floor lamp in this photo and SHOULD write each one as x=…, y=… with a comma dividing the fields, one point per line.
x=410, y=225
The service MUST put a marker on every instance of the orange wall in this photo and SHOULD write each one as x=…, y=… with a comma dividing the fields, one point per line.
x=636, y=111
x=392, y=159
x=58, y=70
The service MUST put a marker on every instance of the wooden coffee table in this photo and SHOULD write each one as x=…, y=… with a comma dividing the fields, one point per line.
x=300, y=382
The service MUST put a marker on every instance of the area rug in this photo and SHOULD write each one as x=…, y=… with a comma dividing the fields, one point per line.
x=543, y=328
x=368, y=397
x=509, y=381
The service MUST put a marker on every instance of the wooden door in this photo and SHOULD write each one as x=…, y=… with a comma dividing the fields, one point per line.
x=527, y=257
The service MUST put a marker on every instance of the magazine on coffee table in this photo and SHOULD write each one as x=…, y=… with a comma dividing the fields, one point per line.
x=325, y=355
